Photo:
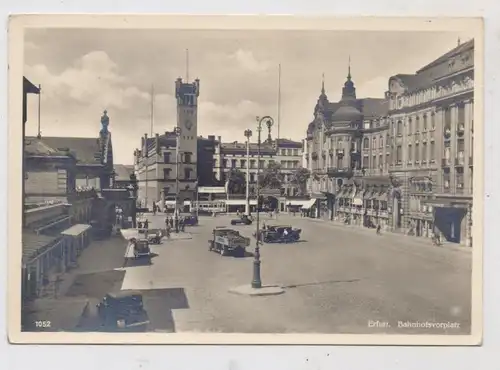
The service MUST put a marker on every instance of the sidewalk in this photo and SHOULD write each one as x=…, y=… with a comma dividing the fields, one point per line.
x=390, y=234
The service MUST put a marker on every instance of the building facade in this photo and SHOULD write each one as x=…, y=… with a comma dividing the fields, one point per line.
x=431, y=133
x=167, y=164
x=347, y=157
x=404, y=162
x=283, y=152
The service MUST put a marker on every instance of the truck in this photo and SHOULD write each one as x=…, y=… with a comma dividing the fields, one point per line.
x=228, y=241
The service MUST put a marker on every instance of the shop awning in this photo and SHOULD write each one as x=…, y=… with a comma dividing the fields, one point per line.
x=76, y=230
x=240, y=202
x=309, y=204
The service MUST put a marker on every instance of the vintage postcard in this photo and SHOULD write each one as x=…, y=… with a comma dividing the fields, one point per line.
x=245, y=179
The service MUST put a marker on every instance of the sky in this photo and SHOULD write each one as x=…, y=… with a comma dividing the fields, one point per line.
x=84, y=71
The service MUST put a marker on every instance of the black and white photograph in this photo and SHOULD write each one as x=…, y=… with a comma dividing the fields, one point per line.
x=234, y=179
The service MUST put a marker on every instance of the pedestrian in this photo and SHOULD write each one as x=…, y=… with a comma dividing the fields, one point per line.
x=154, y=208
x=379, y=228
x=176, y=223
x=172, y=222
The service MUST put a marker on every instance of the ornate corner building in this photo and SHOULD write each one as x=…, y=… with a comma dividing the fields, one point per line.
x=404, y=162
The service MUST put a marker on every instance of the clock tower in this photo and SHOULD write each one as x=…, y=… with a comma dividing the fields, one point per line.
x=187, y=121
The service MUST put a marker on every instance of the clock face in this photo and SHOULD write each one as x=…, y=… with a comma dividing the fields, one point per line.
x=188, y=124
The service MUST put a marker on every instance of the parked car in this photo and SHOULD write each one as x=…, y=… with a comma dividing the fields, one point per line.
x=190, y=219
x=243, y=220
x=228, y=241
x=279, y=234
x=123, y=311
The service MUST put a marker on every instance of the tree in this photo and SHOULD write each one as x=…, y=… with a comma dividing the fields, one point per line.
x=237, y=181
x=271, y=177
x=299, y=178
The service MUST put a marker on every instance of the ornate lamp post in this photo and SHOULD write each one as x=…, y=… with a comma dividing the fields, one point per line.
x=177, y=132
x=256, y=281
x=248, y=134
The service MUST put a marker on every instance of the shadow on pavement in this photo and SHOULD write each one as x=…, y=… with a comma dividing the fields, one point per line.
x=158, y=306
x=96, y=285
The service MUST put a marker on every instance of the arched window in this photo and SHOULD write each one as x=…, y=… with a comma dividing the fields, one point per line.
x=381, y=141
x=410, y=123
x=366, y=143
x=399, y=128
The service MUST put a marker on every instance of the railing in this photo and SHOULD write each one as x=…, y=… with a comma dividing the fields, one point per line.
x=335, y=171
x=459, y=190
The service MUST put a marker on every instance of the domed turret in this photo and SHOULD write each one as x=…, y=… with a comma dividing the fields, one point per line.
x=347, y=113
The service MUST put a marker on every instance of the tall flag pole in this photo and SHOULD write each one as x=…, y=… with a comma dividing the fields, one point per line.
x=279, y=98
x=187, y=65
x=39, y=135
x=152, y=109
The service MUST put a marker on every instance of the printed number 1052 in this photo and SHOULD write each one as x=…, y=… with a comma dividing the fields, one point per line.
x=42, y=324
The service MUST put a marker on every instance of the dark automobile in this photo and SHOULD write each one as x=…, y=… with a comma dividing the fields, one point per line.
x=243, y=220
x=279, y=234
x=190, y=220
x=123, y=311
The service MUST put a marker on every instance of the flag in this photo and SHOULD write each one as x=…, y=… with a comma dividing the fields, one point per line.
x=29, y=88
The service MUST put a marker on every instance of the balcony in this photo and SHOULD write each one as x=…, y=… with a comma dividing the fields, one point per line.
x=339, y=172
x=445, y=162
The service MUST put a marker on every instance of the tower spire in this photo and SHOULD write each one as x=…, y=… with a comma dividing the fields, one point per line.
x=349, y=69
x=323, y=83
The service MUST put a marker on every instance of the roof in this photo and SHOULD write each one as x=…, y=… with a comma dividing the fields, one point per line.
x=373, y=107
x=346, y=113
x=123, y=172
x=76, y=230
x=288, y=143
x=85, y=150
x=455, y=51
x=34, y=146
x=34, y=244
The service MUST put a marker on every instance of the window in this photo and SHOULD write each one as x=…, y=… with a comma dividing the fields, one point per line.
x=399, y=154
x=224, y=163
x=387, y=159
x=252, y=163
x=381, y=142
x=417, y=152
x=166, y=157
x=410, y=155
x=289, y=151
x=432, y=151
x=446, y=181
x=387, y=140
x=261, y=164
x=243, y=163
x=461, y=114
x=283, y=151
x=424, y=151
x=374, y=143
x=366, y=143
x=166, y=173
x=374, y=162
x=252, y=177
x=380, y=161
x=234, y=163
x=295, y=152
x=410, y=124
x=447, y=118
x=187, y=157
x=399, y=128
x=187, y=173
x=424, y=122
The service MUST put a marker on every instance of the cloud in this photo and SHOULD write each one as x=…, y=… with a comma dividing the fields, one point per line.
x=83, y=72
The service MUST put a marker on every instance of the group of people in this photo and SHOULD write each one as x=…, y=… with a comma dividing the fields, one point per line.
x=175, y=223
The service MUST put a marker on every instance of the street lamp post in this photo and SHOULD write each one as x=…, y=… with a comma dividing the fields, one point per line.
x=256, y=280
x=248, y=134
x=177, y=132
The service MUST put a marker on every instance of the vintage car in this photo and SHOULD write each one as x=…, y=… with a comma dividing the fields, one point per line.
x=228, y=241
x=279, y=234
x=155, y=236
x=190, y=219
x=243, y=220
x=140, y=247
x=123, y=311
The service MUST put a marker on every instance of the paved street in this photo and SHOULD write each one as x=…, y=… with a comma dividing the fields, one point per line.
x=337, y=280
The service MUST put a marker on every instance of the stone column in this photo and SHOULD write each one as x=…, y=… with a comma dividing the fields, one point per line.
x=468, y=150
x=439, y=146
x=453, y=146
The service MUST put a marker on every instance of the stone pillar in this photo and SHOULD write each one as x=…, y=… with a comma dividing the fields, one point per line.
x=468, y=150
x=439, y=148
x=453, y=146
